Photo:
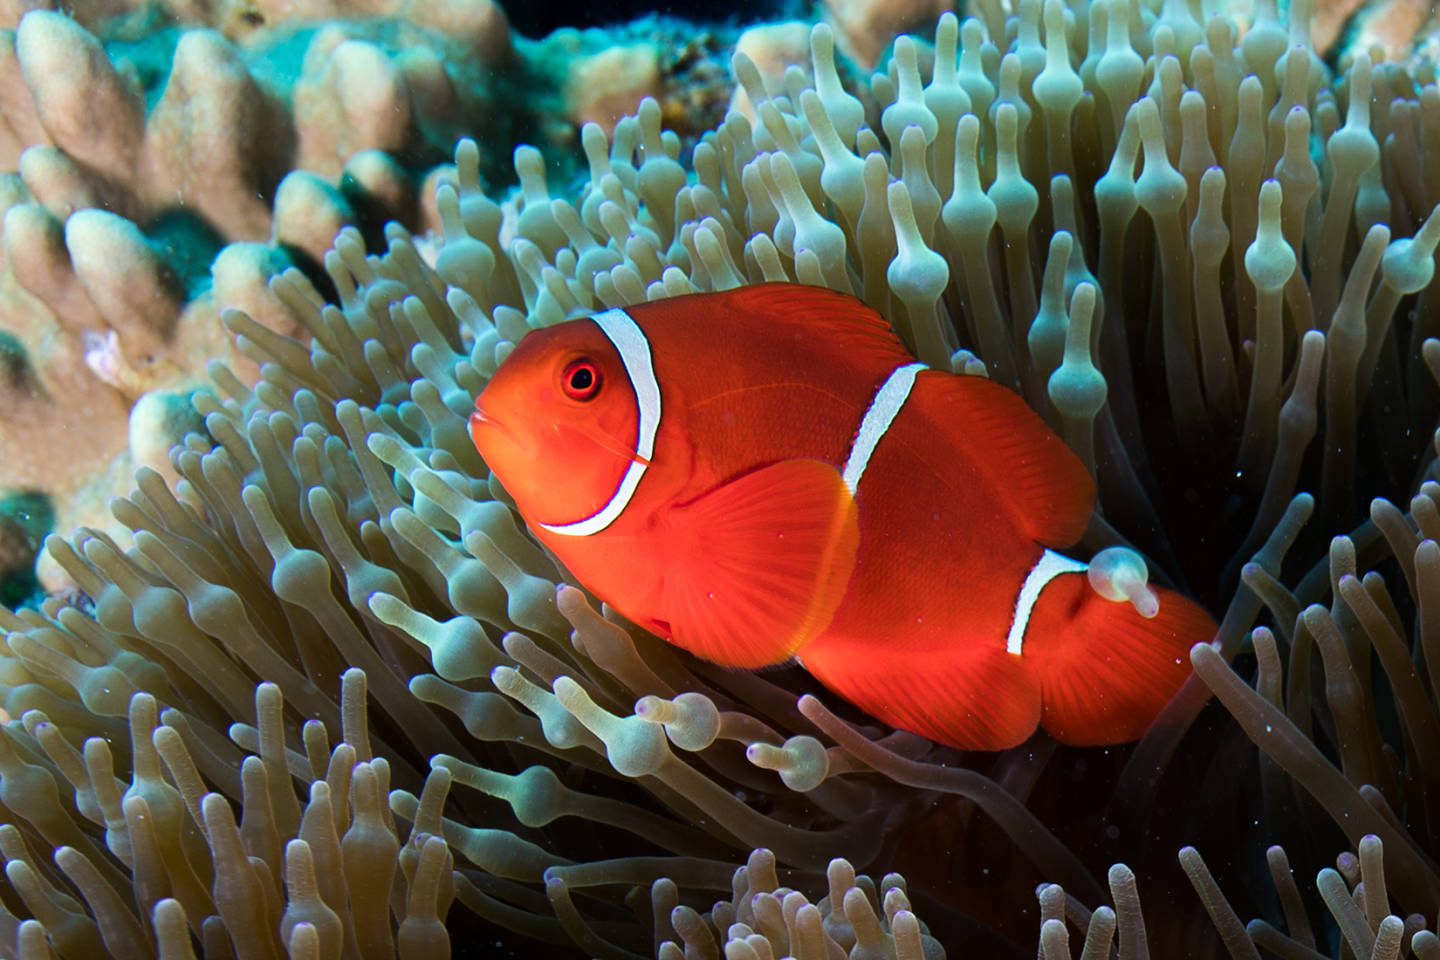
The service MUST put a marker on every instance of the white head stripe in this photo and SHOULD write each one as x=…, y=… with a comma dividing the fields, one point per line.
x=887, y=403
x=634, y=350
x=1047, y=568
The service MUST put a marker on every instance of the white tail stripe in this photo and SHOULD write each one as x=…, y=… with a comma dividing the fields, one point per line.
x=634, y=350
x=887, y=403
x=1047, y=568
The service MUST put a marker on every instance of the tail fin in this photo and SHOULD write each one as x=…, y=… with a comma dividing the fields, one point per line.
x=1104, y=670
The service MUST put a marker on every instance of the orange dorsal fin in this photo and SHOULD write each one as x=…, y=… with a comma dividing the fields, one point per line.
x=1104, y=670
x=1022, y=459
x=825, y=313
x=760, y=563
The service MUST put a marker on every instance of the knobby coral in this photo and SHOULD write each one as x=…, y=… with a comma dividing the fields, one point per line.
x=1190, y=329
x=158, y=169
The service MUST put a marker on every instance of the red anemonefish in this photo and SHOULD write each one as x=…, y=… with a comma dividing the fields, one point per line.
x=766, y=473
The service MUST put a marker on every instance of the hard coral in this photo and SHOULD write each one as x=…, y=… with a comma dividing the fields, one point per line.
x=335, y=529
x=138, y=164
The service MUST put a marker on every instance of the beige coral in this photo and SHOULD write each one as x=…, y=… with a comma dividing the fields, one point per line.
x=866, y=27
x=117, y=206
x=773, y=48
x=602, y=87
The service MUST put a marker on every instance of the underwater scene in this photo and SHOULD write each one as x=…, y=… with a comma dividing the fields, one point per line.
x=870, y=479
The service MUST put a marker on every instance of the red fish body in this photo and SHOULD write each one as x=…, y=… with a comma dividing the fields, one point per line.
x=766, y=473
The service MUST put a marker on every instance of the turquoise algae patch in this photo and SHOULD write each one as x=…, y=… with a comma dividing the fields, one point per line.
x=26, y=518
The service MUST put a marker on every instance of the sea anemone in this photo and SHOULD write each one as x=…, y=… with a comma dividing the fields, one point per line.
x=335, y=604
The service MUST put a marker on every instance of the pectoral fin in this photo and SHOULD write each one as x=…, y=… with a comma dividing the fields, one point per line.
x=760, y=564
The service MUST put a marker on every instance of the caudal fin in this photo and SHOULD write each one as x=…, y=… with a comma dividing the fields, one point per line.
x=1104, y=670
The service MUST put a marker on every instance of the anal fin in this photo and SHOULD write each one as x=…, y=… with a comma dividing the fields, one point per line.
x=966, y=692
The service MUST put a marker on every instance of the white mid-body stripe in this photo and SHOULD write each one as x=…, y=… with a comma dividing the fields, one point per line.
x=1047, y=568
x=634, y=349
x=887, y=403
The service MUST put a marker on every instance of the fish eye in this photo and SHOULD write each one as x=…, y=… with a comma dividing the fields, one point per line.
x=581, y=379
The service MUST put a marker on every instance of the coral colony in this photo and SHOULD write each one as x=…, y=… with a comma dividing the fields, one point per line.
x=320, y=697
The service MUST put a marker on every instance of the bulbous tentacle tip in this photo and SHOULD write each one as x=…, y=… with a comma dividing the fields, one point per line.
x=1120, y=574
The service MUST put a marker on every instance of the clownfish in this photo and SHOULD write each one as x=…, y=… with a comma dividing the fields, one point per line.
x=765, y=474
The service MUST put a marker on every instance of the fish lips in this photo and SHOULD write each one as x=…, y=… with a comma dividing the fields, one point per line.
x=497, y=442
x=486, y=430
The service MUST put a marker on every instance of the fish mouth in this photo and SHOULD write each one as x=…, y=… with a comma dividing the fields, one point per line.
x=486, y=429
x=479, y=417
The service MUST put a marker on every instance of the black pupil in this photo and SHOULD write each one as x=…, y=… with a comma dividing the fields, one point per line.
x=582, y=379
